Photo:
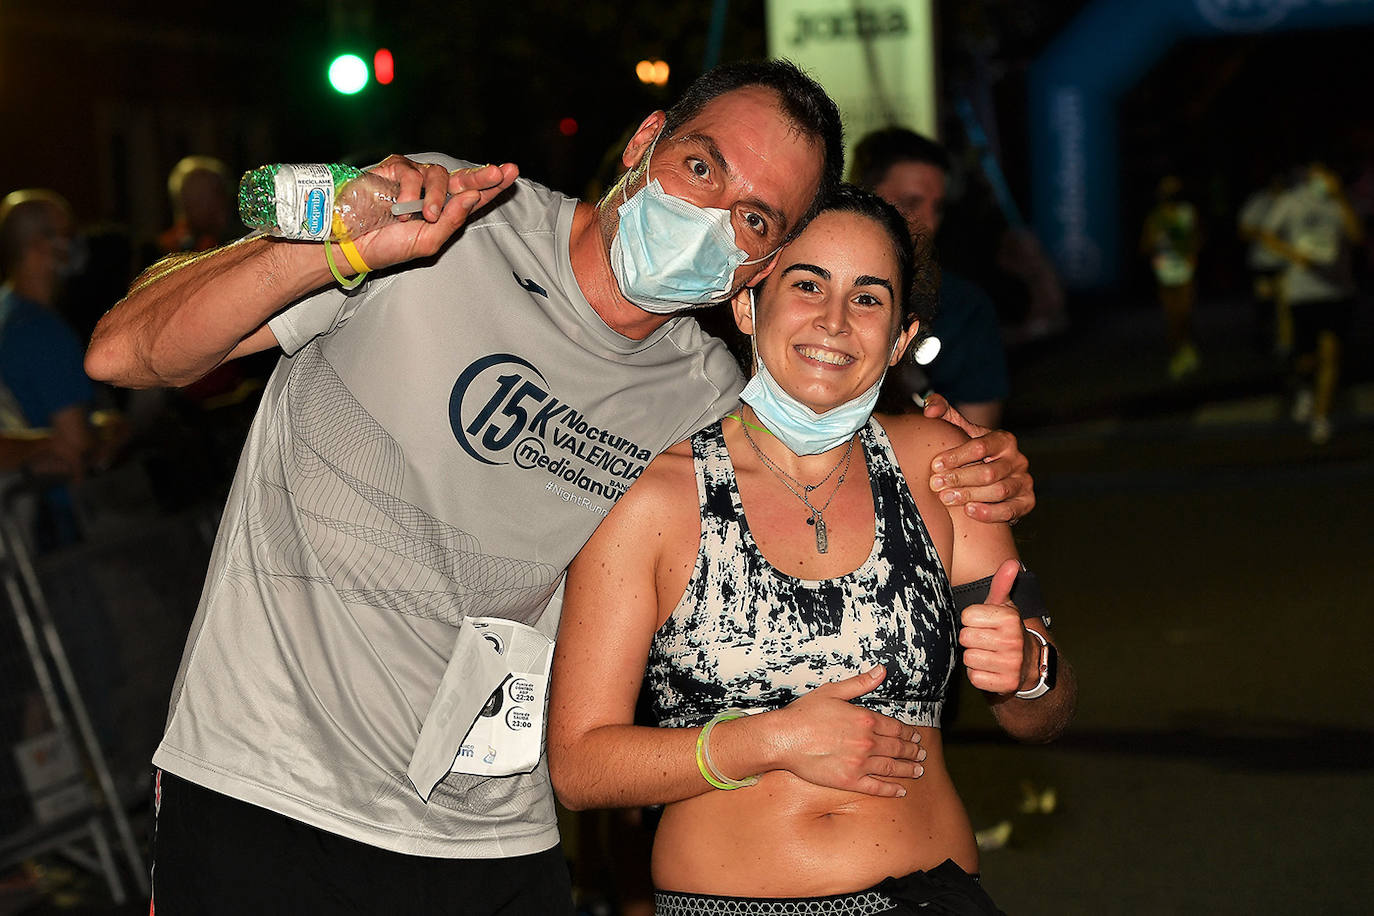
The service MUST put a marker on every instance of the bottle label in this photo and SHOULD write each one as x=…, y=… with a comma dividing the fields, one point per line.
x=305, y=201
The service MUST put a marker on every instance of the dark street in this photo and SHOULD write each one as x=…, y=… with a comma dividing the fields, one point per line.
x=1208, y=570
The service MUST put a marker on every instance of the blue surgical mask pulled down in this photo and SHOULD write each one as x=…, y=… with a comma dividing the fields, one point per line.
x=794, y=424
x=669, y=254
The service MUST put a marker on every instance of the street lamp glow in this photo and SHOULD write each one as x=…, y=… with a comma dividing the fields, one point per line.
x=652, y=72
x=348, y=74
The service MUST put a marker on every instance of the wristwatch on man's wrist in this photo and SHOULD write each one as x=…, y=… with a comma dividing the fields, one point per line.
x=1048, y=660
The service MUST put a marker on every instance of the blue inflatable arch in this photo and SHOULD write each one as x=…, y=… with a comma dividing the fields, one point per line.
x=1074, y=88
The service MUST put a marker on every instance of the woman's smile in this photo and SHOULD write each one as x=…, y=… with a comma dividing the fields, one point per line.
x=822, y=355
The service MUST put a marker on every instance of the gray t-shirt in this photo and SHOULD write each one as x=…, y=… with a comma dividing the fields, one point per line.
x=436, y=445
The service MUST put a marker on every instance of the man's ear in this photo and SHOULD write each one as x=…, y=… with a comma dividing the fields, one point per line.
x=767, y=268
x=740, y=306
x=649, y=128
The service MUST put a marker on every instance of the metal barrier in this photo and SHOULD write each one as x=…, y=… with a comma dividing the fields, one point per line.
x=90, y=639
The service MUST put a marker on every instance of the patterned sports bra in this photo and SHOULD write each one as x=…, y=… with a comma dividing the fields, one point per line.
x=745, y=634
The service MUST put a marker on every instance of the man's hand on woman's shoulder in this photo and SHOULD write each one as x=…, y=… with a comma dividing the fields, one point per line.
x=987, y=475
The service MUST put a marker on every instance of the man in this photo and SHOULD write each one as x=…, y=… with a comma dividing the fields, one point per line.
x=1315, y=230
x=44, y=394
x=433, y=448
x=202, y=206
x=215, y=410
x=45, y=428
x=911, y=172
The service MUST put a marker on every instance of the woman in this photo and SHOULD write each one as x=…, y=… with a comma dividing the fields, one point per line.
x=767, y=563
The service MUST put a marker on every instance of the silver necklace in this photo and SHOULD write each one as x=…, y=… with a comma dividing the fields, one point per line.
x=803, y=490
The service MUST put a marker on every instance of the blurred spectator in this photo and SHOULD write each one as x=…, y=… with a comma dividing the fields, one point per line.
x=104, y=263
x=200, y=429
x=1171, y=239
x=1265, y=264
x=1315, y=230
x=202, y=206
x=911, y=172
x=45, y=398
x=204, y=219
x=44, y=392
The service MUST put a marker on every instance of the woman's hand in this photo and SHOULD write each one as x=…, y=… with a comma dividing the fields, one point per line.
x=1001, y=657
x=828, y=741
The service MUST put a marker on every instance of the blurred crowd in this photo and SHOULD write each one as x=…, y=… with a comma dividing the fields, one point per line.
x=58, y=278
x=1307, y=255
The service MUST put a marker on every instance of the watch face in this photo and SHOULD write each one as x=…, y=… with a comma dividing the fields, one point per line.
x=1051, y=666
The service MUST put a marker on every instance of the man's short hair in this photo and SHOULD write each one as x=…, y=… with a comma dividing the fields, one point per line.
x=880, y=150
x=26, y=216
x=812, y=112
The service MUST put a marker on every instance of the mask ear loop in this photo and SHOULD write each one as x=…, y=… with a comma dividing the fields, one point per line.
x=758, y=259
x=754, y=323
x=648, y=159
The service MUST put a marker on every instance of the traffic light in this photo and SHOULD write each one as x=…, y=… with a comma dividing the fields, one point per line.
x=348, y=74
x=383, y=67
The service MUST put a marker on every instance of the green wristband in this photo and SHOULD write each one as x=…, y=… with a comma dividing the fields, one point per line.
x=333, y=269
x=704, y=762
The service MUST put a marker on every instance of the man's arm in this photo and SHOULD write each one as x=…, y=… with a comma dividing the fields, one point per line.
x=987, y=475
x=187, y=315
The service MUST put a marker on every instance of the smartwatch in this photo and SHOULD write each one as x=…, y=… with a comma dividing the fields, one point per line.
x=1048, y=662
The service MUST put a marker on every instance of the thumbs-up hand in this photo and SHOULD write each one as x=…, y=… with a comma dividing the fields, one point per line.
x=998, y=652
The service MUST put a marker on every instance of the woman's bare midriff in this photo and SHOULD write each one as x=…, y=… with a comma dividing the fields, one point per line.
x=788, y=838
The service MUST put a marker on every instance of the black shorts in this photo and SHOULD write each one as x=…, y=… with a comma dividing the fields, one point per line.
x=213, y=854
x=1311, y=318
x=946, y=890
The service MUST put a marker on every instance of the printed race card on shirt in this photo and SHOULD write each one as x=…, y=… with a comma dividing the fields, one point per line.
x=509, y=731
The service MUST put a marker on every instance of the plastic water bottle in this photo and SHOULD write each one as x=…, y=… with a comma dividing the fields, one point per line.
x=318, y=201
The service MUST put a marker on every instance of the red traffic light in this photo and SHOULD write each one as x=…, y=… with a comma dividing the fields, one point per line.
x=383, y=67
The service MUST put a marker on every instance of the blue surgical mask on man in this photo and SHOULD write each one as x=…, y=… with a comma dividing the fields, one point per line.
x=794, y=424
x=669, y=254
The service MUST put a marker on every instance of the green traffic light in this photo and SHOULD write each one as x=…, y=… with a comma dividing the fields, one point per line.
x=348, y=74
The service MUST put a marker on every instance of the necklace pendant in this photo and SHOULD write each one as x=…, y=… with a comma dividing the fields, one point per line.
x=822, y=540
